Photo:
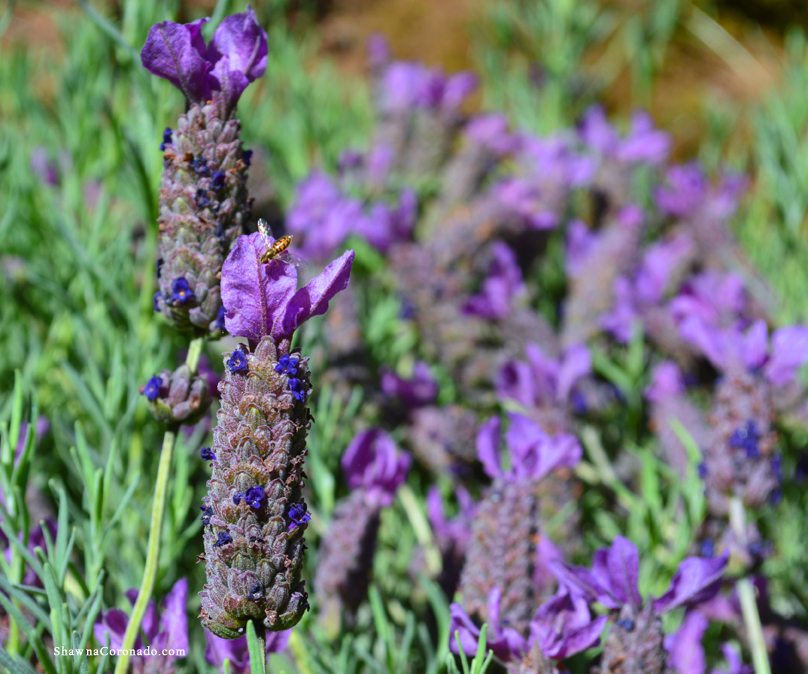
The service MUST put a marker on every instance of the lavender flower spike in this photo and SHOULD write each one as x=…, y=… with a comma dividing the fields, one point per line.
x=374, y=469
x=255, y=514
x=203, y=194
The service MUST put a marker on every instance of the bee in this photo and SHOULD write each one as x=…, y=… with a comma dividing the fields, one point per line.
x=277, y=250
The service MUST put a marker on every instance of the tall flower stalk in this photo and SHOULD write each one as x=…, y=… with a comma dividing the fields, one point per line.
x=203, y=207
x=254, y=514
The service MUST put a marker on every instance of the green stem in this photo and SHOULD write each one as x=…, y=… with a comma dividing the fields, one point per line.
x=746, y=595
x=257, y=644
x=194, y=352
x=153, y=552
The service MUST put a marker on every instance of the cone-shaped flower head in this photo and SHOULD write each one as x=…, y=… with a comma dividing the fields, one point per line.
x=508, y=548
x=254, y=514
x=177, y=397
x=374, y=469
x=203, y=194
x=167, y=631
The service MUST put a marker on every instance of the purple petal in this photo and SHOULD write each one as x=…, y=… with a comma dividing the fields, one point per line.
x=755, y=345
x=218, y=650
x=581, y=241
x=624, y=569
x=575, y=365
x=578, y=640
x=666, y=382
x=114, y=623
x=230, y=80
x=176, y=52
x=684, y=647
x=174, y=619
x=596, y=132
x=488, y=447
x=419, y=391
x=458, y=87
x=516, y=381
x=372, y=462
x=581, y=581
x=788, y=353
x=255, y=295
x=312, y=299
x=696, y=580
x=468, y=632
x=240, y=38
x=709, y=340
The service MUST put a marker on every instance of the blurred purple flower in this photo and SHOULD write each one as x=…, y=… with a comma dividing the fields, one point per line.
x=581, y=241
x=321, y=215
x=506, y=642
x=544, y=381
x=716, y=297
x=689, y=192
x=643, y=143
x=420, y=390
x=685, y=652
x=218, y=650
x=534, y=454
x=263, y=299
x=733, y=347
x=236, y=56
x=659, y=264
x=166, y=631
x=373, y=463
x=44, y=168
x=503, y=284
x=619, y=320
x=492, y=131
x=612, y=581
x=563, y=626
x=457, y=530
x=666, y=382
x=383, y=226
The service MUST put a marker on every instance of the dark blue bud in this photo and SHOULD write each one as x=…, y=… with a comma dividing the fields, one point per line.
x=207, y=454
x=207, y=513
x=238, y=498
x=155, y=302
x=247, y=157
x=223, y=539
x=219, y=323
x=627, y=624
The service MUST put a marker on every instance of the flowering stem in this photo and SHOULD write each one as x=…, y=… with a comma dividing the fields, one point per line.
x=746, y=595
x=194, y=352
x=153, y=552
x=257, y=644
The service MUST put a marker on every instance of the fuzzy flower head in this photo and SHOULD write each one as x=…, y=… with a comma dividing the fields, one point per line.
x=533, y=453
x=503, y=285
x=236, y=56
x=263, y=299
x=373, y=463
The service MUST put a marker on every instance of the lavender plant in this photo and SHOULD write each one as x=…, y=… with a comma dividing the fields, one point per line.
x=255, y=514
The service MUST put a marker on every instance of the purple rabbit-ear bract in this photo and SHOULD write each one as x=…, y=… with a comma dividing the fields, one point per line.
x=623, y=562
x=488, y=447
x=505, y=642
x=176, y=52
x=696, y=580
x=173, y=633
x=372, y=462
x=534, y=454
x=591, y=585
x=261, y=299
x=217, y=650
x=563, y=626
x=685, y=652
x=789, y=351
x=241, y=38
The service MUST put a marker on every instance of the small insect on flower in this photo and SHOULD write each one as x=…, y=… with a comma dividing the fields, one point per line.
x=277, y=250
